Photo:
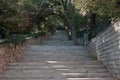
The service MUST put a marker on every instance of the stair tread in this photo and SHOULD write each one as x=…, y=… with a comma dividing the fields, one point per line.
x=65, y=79
x=56, y=59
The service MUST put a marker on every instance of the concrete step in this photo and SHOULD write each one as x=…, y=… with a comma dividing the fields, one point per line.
x=64, y=79
x=67, y=62
x=58, y=43
x=79, y=75
x=90, y=79
x=36, y=48
x=56, y=53
x=58, y=50
x=37, y=60
x=55, y=67
x=57, y=56
x=58, y=59
x=67, y=65
x=71, y=51
x=31, y=75
x=58, y=70
x=59, y=62
x=32, y=58
x=53, y=75
x=83, y=62
x=53, y=63
x=51, y=71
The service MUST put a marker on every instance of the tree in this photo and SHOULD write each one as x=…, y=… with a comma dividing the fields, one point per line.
x=12, y=19
x=68, y=10
x=100, y=13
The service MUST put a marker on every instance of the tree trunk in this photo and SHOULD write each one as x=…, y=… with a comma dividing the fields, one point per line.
x=74, y=38
x=74, y=35
x=37, y=16
x=92, y=23
x=93, y=20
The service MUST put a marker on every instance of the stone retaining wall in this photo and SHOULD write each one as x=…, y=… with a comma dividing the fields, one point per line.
x=106, y=47
x=11, y=53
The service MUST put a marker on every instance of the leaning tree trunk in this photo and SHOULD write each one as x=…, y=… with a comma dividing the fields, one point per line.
x=74, y=35
x=36, y=17
x=92, y=23
x=74, y=38
x=93, y=20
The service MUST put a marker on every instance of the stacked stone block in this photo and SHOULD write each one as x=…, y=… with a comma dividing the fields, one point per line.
x=106, y=47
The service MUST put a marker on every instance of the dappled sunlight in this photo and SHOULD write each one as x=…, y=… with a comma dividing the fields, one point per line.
x=117, y=26
x=56, y=64
x=63, y=69
x=59, y=66
x=84, y=79
x=73, y=74
x=52, y=62
x=106, y=47
x=54, y=34
x=77, y=78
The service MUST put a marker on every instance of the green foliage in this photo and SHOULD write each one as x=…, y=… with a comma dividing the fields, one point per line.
x=106, y=12
x=35, y=35
x=30, y=16
x=3, y=29
x=16, y=39
x=12, y=17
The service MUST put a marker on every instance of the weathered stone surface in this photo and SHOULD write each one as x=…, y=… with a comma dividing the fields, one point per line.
x=56, y=59
x=106, y=46
x=12, y=53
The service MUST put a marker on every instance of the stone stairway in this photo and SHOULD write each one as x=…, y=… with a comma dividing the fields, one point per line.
x=56, y=59
x=58, y=39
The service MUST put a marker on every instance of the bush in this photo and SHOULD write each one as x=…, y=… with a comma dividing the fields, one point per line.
x=16, y=39
x=35, y=35
x=3, y=31
x=20, y=38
